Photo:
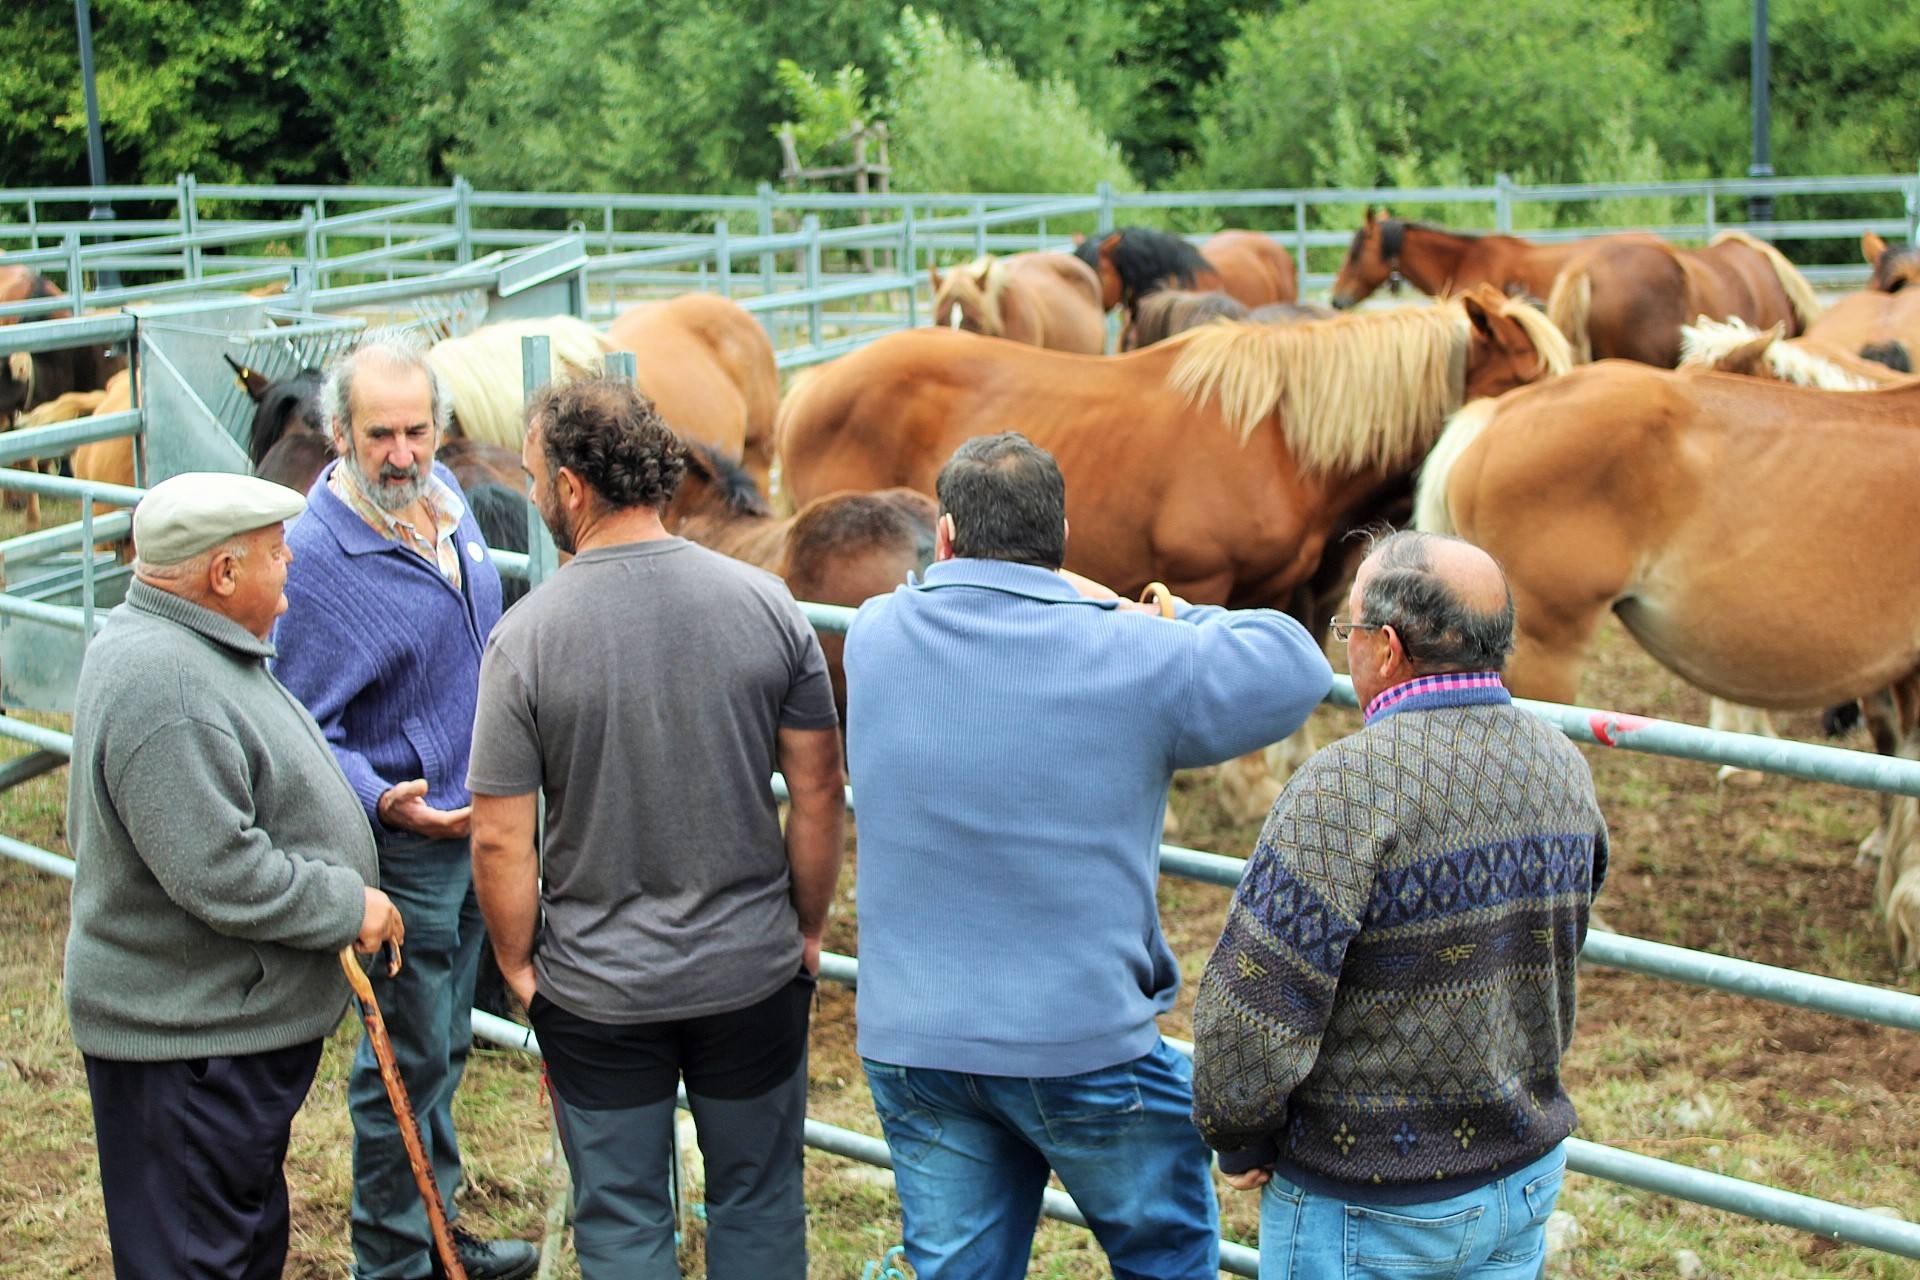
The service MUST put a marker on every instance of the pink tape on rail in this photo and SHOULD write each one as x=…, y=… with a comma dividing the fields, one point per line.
x=1611, y=726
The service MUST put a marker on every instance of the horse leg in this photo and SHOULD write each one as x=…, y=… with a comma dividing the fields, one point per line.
x=1731, y=717
x=1882, y=715
x=1550, y=643
x=1896, y=890
x=1247, y=788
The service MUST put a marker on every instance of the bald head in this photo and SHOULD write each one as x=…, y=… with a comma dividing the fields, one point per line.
x=1445, y=597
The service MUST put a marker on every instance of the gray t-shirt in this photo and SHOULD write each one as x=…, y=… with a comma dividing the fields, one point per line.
x=642, y=690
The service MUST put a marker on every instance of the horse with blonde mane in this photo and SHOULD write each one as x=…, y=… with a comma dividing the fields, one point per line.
x=1734, y=346
x=1894, y=268
x=482, y=372
x=1759, y=540
x=708, y=367
x=1439, y=262
x=1047, y=300
x=1628, y=298
x=1876, y=324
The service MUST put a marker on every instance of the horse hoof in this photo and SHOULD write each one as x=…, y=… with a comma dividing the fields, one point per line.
x=1747, y=779
x=1871, y=848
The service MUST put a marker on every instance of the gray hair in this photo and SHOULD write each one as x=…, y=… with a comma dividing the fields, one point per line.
x=1440, y=631
x=395, y=347
x=194, y=567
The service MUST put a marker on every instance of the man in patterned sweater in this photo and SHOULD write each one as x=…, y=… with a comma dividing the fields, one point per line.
x=1379, y=1031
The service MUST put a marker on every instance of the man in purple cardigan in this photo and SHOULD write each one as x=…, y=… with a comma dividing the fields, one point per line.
x=391, y=598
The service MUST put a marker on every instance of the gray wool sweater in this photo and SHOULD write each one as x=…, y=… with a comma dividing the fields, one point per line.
x=221, y=854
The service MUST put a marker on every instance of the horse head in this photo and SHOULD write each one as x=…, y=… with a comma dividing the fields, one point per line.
x=284, y=407
x=714, y=487
x=1098, y=254
x=965, y=298
x=251, y=381
x=1510, y=343
x=16, y=385
x=1893, y=269
x=1372, y=259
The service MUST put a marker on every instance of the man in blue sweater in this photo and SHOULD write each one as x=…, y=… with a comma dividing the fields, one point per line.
x=1011, y=734
x=391, y=598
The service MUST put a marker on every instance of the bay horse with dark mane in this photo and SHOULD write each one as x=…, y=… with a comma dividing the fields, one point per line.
x=1628, y=299
x=1047, y=300
x=1134, y=262
x=1759, y=540
x=841, y=548
x=1440, y=263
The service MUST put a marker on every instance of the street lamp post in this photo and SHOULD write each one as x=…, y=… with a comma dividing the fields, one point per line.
x=101, y=210
x=1760, y=208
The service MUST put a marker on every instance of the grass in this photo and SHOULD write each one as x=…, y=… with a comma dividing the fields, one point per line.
x=1817, y=1105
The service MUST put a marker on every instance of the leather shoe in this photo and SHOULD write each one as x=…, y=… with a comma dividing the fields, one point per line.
x=490, y=1259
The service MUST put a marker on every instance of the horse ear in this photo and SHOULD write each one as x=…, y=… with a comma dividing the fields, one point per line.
x=1371, y=219
x=254, y=384
x=933, y=273
x=1108, y=245
x=1872, y=246
x=1749, y=356
x=1079, y=238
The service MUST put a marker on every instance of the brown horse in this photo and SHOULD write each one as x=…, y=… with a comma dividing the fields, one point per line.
x=1440, y=263
x=1161, y=315
x=842, y=548
x=1218, y=462
x=1629, y=298
x=1134, y=262
x=28, y=382
x=1879, y=326
x=708, y=367
x=1759, y=540
x=1047, y=300
x=1893, y=269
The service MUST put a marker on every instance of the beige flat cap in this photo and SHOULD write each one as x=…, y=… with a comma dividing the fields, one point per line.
x=181, y=517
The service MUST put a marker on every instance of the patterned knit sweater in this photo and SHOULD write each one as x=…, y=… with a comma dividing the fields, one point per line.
x=1385, y=1013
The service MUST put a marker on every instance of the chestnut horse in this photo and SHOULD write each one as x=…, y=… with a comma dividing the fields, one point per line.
x=1628, y=298
x=1759, y=540
x=708, y=366
x=482, y=372
x=1218, y=462
x=1440, y=263
x=1734, y=346
x=842, y=548
x=1879, y=326
x=1136, y=261
x=1047, y=300
x=1893, y=269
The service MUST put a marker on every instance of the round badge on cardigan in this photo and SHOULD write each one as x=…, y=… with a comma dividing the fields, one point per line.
x=476, y=552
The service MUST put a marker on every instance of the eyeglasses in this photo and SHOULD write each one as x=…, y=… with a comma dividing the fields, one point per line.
x=1342, y=628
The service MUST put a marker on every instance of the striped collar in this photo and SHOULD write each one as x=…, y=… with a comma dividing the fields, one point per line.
x=1446, y=689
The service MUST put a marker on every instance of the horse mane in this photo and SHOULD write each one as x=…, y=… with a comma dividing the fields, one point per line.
x=1353, y=393
x=1799, y=293
x=1707, y=342
x=844, y=524
x=963, y=286
x=297, y=395
x=482, y=374
x=1430, y=511
x=502, y=516
x=1159, y=316
x=1146, y=259
x=729, y=479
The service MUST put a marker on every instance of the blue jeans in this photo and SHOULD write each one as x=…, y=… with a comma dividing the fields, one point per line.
x=971, y=1154
x=428, y=1012
x=1494, y=1232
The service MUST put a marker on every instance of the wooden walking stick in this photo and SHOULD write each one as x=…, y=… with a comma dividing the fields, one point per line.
x=1158, y=594
x=402, y=1108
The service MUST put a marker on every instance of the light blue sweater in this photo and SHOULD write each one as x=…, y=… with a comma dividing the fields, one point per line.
x=1010, y=746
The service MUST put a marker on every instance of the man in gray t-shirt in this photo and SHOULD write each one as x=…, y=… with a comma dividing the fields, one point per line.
x=648, y=692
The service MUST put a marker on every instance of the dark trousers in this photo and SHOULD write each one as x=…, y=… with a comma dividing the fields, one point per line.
x=191, y=1156
x=613, y=1100
x=428, y=1012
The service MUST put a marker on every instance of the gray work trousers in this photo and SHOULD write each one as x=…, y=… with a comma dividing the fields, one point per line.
x=622, y=1172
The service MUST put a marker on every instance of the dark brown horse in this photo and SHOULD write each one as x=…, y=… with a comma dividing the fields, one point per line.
x=29, y=381
x=1134, y=262
x=1440, y=263
x=1628, y=299
x=1161, y=315
x=842, y=548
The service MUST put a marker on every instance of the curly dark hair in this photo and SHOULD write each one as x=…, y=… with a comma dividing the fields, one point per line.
x=604, y=430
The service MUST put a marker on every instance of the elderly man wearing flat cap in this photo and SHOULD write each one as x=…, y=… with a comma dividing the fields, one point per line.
x=222, y=859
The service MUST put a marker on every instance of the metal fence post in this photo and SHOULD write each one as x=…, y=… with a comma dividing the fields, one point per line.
x=33, y=224
x=910, y=266
x=1503, y=204
x=1712, y=215
x=76, y=279
x=310, y=249
x=979, y=228
x=536, y=368
x=86, y=568
x=463, y=216
x=189, y=220
x=763, y=224
x=1300, y=238
x=811, y=225
x=1913, y=209
x=1104, y=222
x=722, y=257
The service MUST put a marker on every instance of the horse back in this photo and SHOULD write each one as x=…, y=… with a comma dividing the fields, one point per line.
x=1057, y=296
x=1253, y=269
x=706, y=364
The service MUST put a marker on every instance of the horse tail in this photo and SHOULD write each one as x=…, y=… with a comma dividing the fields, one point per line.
x=1568, y=306
x=1800, y=296
x=1431, y=513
